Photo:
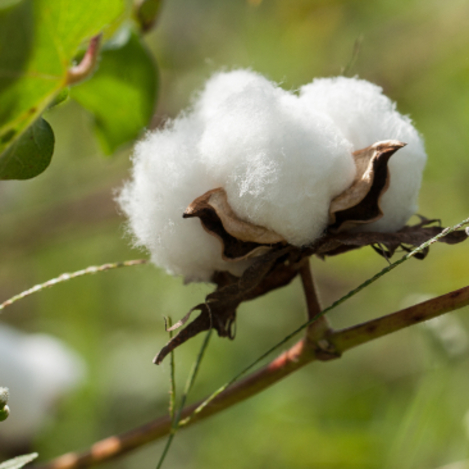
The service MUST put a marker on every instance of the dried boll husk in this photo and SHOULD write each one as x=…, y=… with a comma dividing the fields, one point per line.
x=240, y=239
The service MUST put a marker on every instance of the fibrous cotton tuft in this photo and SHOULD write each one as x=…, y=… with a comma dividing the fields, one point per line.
x=280, y=156
x=365, y=116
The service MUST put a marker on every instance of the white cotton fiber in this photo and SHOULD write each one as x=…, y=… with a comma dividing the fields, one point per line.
x=279, y=162
x=280, y=156
x=365, y=116
x=167, y=176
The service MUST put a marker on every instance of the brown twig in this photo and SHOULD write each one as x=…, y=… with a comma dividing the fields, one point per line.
x=300, y=354
x=87, y=64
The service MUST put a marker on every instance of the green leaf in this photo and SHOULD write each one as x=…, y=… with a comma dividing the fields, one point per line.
x=38, y=41
x=29, y=155
x=4, y=413
x=18, y=462
x=121, y=94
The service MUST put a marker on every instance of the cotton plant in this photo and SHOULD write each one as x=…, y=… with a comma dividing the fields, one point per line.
x=252, y=179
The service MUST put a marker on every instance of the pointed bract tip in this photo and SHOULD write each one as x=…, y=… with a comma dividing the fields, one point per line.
x=388, y=145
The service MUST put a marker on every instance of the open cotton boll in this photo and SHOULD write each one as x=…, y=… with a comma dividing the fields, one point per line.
x=38, y=369
x=280, y=157
x=365, y=116
x=167, y=176
x=280, y=162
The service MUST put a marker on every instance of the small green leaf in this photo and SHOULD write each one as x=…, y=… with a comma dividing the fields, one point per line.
x=18, y=462
x=30, y=154
x=121, y=94
x=4, y=413
x=38, y=41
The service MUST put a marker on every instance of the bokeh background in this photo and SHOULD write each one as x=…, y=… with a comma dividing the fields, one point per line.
x=400, y=402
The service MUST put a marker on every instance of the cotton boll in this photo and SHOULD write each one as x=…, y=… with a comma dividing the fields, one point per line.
x=280, y=157
x=365, y=116
x=38, y=369
x=280, y=162
x=167, y=176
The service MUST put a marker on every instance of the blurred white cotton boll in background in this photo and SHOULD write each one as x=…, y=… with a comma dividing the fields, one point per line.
x=365, y=116
x=38, y=369
x=450, y=332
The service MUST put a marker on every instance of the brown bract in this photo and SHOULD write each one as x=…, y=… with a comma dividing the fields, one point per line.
x=360, y=203
x=275, y=263
x=240, y=239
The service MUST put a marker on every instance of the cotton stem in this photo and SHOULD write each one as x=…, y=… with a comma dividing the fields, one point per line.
x=320, y=326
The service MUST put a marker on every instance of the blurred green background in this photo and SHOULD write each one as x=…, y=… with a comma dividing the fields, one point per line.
x=400, y=402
